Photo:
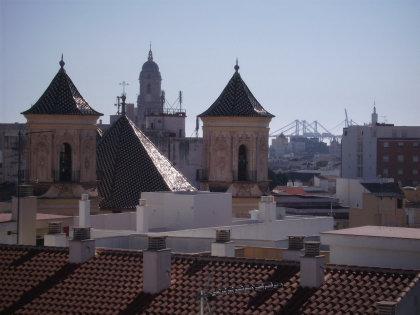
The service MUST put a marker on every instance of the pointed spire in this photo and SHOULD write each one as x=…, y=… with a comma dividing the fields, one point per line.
x=150, y=52
x=236, y=65
x=62, y=63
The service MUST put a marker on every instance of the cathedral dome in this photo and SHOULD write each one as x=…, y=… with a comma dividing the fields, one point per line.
x=150, y=65
x=150, y=69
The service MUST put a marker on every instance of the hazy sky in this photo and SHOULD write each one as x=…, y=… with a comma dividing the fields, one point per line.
x=302, y=60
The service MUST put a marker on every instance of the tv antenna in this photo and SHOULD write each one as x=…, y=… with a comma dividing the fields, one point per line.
x=205, y=296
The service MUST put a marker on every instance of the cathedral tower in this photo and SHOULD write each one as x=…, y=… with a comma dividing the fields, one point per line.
x=150, y=100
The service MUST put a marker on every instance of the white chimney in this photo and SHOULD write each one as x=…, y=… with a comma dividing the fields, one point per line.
x=84, y=211
x=24, y=211
x=386, y=307
x=267, y=206
x=312, y=266
x=81, y=247
x=294, y=250
x=156, y=266
x=142, y=218
x=223, y=246
x=55, y=236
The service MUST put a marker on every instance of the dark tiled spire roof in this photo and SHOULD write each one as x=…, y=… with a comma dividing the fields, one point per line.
x=62, y=98
x=236, y=100
x=129, y=163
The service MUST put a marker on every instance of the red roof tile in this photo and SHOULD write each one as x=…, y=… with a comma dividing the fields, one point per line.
x=39, y=280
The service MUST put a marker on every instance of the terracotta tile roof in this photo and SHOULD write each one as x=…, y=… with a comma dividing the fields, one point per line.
x=62, y=98
x=236, y=100
x=129, y=163
x=39, y=281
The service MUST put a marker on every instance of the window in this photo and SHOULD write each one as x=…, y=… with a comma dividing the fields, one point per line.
x=400, y=158
x=415, y=158
x=399, y=203
x=148, y=88
x=242, y=163
x=385, y=172
x=385, y=158
x=400, y=171
x=415, y=144
x=386, y=144
x=415, y=172
x=400, y=144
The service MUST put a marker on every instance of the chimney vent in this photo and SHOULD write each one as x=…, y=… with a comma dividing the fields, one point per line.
x=312, y=249
x=26, y=190
x=267, y=199
x=312, y=266
x=142, y=202
x=156, y=266
x=386, y=307
x=81, y=233
x=156, y=243
x=55, y=227
x=81, y=247
x=223, y=246
x=222, y=236
x=296, y=242
x=85, y=197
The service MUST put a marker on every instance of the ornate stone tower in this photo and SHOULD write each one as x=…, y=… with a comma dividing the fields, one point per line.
x=235, y=132
x=61, y=135
x=150, y=99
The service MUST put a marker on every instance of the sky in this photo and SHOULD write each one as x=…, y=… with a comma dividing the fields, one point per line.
x=306, y=60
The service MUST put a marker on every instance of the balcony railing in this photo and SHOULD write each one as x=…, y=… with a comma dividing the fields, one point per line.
x=203, y=175
x=251, y=176
x=73, y=178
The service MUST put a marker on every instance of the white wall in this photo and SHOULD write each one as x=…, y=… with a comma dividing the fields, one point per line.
x=275, y=230
x=350, y=192
x=384, y=252
x=173, y=210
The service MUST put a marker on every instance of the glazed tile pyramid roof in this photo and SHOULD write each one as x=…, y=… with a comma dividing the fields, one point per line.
x=62, y=98
x=236, y=100
x=129, y=163
x=38, y=280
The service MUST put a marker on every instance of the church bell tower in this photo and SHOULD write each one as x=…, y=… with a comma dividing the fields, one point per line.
x=150, y=99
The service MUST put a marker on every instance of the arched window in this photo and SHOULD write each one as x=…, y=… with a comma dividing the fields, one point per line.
x=65, y=163
x=242, y=163
x=148, y=88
